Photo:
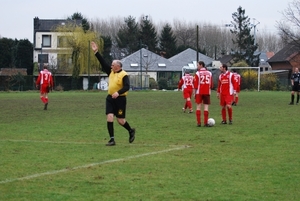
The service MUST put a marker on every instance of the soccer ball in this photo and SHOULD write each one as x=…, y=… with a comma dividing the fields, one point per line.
x=211, y=122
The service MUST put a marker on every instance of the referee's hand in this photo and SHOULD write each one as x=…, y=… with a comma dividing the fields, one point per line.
x=115, y=95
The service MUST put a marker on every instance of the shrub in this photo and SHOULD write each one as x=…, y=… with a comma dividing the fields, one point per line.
x=59, y=88
x=249, y=79
x=152, y=83
x=163, y=83
x=269, y=82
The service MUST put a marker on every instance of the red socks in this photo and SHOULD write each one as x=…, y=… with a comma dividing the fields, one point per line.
x=229, y=113
x=44, y=100
x=198, y=116
x=205, y=117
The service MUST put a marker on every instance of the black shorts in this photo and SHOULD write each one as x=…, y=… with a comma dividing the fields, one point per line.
x=116, y=106
x=296, y=87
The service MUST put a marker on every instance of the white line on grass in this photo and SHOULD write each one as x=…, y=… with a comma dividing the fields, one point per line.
x=91, y=165
x=84, y=143
x=48, y=141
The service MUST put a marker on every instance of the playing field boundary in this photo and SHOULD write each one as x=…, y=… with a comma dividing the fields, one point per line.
x=86, y=143
x=93, y=164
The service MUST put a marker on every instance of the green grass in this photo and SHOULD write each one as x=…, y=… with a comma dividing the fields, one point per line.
x=59, y=154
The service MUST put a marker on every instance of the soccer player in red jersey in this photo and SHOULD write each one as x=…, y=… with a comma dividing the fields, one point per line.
x=226, y=90
x=203, y=83
x=237, y=78
x=45, y=82
x=186, y=84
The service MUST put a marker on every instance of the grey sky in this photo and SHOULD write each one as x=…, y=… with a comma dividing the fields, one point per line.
x=16, y=17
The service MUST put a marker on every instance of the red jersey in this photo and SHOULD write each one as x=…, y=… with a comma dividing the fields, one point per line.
x=227, y=84
x=237, y=78
x=203, y=82
x=45, y=78
x=186, y=82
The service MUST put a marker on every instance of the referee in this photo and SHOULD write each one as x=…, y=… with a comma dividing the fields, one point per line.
x=118, y=86
x=295, y=86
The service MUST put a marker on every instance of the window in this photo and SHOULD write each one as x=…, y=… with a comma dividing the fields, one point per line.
x=134, y=65
x=64, y=61
x=46, y=40
x=62, y=41
x=161, y=65
x=43, y=58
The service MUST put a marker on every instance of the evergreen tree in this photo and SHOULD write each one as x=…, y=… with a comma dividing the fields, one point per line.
x=244, y=41
x=24, y=55
x=149, y=35
x=84, y=22
x=107, y=49
x=128, y=35
x=168, y=41
x=6, y=52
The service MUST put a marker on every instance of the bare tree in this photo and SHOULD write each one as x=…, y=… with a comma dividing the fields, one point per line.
x=268, y=41
x=290, y=25
x=149, y=60
x=185, y=33
x=110, y=28
x=216, y=40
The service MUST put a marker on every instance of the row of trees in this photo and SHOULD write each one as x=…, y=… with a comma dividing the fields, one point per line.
x=16, y=53
x=131, y=35
x=118, y=38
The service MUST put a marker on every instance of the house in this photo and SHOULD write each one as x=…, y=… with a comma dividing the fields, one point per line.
x=263, y=57
x=188, y=57
x=141, y=65
x=48, y=44
x=263, y=64
x=144, y=64
x=7, y=77
x=288, y=58
x=227, y=59
x=13, y=71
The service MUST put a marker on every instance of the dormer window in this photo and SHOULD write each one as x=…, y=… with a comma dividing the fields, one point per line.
x=161, y=65
x=134, y=65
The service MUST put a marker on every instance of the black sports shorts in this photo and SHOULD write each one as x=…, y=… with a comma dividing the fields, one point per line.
x=296, y=87
x=116, y=106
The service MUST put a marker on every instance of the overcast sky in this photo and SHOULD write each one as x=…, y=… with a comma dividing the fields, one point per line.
x=16, y=17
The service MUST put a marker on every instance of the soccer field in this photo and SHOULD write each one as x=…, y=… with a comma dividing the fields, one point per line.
x=60, y=153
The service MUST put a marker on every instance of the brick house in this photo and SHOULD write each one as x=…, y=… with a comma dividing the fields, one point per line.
x=288, y=58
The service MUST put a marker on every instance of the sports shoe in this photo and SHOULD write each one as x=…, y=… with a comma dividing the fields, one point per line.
x=206, y=125
x=111, y=143
x=233, y=103
x=223, y=122
x=230, y=122
x=291, y=103
x=132, y=135
x=191, y=111
x=183, y=110
x=198, y=125
x=45, y=106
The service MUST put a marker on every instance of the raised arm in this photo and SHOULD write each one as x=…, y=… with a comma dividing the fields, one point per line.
x=105, y=67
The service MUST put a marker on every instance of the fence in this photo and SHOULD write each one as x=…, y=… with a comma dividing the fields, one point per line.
x=67, y=83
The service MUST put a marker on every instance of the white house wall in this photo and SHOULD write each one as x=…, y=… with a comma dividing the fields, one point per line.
x=51, y=51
